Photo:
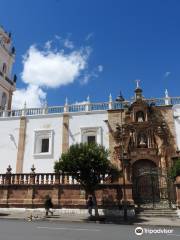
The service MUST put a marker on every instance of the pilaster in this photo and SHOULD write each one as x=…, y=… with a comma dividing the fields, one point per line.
x=21, y=145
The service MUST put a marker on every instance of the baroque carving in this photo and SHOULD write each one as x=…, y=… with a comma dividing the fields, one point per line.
x=144, y=128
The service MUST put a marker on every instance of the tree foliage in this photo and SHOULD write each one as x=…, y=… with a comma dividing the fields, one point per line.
x=88, y=164
x=175, y=170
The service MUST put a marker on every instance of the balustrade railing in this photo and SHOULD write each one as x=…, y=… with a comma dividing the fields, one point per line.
x=99, y=106
x=38, y=179
x=51, y=110
x=84, y=107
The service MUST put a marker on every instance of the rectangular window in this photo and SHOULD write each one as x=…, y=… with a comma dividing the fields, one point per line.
x=45, y=145
x=91, y=139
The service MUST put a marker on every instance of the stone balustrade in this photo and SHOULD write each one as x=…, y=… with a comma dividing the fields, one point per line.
x=39, y=178
x=31, y=189
x=84, y=107
x=36, y=178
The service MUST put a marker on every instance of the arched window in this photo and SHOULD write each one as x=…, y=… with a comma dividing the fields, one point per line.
x=4, y=69
x=140, y=116
x=3, y=100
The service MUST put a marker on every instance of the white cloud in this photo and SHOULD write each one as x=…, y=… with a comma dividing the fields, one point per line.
x=48, y=45
x=85, y=79
x=52, y=68
x=91, y=74
x=68, y=44
x=32, y=95
x=100, y=68
x=167, y=74
x=89, y=36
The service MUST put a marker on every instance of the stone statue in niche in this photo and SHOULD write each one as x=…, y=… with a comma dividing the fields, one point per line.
x=142, y=140
x=140, y=116
x=132, y=139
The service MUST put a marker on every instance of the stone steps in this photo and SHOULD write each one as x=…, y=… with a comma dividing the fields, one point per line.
x=165, y=213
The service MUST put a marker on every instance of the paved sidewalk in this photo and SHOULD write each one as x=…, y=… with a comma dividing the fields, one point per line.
x=39, y=214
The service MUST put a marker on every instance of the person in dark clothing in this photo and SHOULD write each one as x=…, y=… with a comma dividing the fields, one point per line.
x=90, y=205
x=48, y=204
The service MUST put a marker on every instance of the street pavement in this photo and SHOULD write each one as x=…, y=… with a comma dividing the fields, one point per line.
x=45, y=230
x=39, y=214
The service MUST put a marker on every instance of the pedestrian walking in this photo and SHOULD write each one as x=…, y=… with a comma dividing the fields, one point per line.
x=48, y=205
x=90, y=205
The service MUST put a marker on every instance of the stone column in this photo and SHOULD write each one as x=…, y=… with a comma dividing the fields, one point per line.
x=21, y=145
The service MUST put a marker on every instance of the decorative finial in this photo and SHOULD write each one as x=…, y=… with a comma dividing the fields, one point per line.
x=9, y=169
x=166, y=93
x=137, y=83
x=88, y=99
x=110, y=97
x=33, y=169
x=66, y=101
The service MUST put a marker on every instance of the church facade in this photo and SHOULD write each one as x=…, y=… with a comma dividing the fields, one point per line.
x=142, y=135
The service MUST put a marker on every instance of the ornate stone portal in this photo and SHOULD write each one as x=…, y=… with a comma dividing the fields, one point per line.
x=146, y=138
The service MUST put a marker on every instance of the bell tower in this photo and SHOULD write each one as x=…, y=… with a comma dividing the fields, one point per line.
x=7, y=57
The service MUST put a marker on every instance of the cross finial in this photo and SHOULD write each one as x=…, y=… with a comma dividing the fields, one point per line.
x=137, y=83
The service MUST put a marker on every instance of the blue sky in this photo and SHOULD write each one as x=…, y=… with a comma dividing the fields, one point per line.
x=118, y=42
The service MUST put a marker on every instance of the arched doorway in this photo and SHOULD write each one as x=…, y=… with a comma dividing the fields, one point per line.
x=145, y=180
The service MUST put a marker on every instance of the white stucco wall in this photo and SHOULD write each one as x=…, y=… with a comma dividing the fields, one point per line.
x=42, y=163
x=9, y=132
x=9, y=137
x=88, y=120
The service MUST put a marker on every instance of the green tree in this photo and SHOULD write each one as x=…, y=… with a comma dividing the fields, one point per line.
x=175, y=170
x=88, y=164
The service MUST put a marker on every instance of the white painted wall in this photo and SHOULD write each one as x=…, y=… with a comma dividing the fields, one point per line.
x=42, y=163
x=9, y=132
x=88, y=120
x=9, y=137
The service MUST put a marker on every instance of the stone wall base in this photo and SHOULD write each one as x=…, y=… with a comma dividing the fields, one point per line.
x=63, y=196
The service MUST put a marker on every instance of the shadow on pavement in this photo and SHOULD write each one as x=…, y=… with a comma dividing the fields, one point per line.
x=114, y=220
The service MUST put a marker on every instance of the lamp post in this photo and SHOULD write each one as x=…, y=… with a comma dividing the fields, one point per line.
x=120, y=100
